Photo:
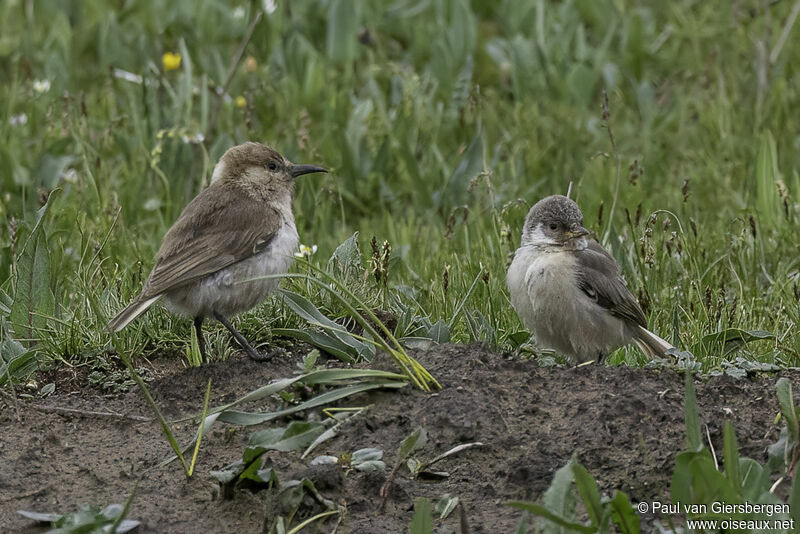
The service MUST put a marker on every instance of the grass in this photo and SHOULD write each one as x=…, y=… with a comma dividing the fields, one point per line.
x=442, y=122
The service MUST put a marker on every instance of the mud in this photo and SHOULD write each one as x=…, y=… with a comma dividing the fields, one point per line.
x=624, y=424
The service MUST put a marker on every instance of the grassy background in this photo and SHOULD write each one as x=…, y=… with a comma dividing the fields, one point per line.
x=442, y=121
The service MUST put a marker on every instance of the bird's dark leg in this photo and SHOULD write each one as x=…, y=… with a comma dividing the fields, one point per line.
x=601, y=357
x=248, y=348
x=201, y=342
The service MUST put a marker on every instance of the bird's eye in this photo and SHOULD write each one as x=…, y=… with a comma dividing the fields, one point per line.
x=553, y=226
x=272, y=166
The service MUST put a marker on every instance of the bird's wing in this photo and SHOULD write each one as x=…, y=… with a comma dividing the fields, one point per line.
x=599, y=278
x=209, y=235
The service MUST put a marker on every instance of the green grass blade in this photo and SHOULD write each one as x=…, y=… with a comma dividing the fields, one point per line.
x=123, y=513
x=788, y=409
x=694, y=437
x=794, y=499
x=730, y=451
x=201, y=429
x=335, y=376
x=161, y=420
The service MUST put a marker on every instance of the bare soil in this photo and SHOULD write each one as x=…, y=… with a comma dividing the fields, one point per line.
x=625, y=425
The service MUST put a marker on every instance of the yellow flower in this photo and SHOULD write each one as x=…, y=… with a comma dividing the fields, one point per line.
x=171, y=61
x=241, y=101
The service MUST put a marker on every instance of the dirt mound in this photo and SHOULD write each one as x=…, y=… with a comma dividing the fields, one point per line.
x=626, y=425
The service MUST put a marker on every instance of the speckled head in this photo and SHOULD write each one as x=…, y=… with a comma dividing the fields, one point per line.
x=555, y=220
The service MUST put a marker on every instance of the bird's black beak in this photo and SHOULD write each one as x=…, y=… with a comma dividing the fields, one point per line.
x=577, y=231
x=299, y=170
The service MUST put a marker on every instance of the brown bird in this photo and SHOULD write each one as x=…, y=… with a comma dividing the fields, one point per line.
x=239, y=228
x=568, y=291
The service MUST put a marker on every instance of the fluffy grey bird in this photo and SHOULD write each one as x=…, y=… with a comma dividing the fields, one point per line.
x=240, y=227
x=568, y=291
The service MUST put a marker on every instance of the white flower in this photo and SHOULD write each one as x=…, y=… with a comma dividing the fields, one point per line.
x=238, y=13
x=306, y=251
x=18, y=119
x=70, y=175
x=195, y=139
x=41, y=86
x=270, y=6
x=127, y=76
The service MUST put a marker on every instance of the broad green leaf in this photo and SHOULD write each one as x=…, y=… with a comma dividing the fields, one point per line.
x=329, y=433
x=86, y=519
x=558, y=499
x=780, y=451
x=469, y=167
x=623, y=514
x=753, y=479
x=249, y=418
x=368, y=459
x=445, y=506
x=554, y=518
x=582, y=83
x=371, y=466
x=252, y=469
x=413, y=442
x=422, y=521
x=518, y=338
x=343, y=26
x=305, y=309
x=297, y=435
x=414, y=466
x=34, y=300
x=321, y=340
x=260, y=393
x=366, y=455
x=440, y=332
x=40, y=516
x=19, y=363
x=346, y=259
x=228, y=473
x=50, y=168
x=325, y=460
x=696, y=480
x=587, y=488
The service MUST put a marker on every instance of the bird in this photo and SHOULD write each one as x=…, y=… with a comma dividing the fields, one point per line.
x=568, y=291
x=239, y=228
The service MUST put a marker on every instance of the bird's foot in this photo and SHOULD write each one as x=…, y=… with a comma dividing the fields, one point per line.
x=257, y=356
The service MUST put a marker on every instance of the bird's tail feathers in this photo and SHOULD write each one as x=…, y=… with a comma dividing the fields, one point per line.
x=131, y=312
x=651, y=344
